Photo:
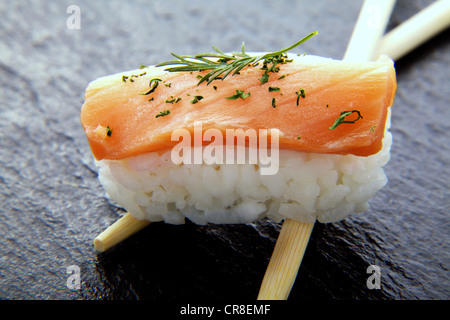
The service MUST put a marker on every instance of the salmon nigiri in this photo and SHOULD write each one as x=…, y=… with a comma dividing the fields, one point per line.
x=326, y=120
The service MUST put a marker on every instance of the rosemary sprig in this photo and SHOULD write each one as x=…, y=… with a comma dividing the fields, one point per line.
x=222, y=64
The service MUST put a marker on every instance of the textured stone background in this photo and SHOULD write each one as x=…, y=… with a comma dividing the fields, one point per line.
x=52, y=205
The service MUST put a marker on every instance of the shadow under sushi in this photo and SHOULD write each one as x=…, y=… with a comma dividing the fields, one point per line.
x=227, y=263
x=188, y=261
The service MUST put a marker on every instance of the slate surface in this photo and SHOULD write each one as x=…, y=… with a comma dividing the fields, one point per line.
x=52, y=205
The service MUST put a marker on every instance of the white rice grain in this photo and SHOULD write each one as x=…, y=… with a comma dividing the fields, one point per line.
x=307, y=187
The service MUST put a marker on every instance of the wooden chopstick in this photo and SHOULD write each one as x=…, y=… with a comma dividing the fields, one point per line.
x=120, y=230
x=416, y=30
x=285, y=261
x=369, y=29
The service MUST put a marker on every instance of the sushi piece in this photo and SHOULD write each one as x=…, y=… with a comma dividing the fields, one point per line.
x=322, y=122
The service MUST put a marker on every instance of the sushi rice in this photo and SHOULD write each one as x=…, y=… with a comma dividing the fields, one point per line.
x=306, y=188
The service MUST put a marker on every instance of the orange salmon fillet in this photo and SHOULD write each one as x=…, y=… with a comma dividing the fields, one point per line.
x=330, y=86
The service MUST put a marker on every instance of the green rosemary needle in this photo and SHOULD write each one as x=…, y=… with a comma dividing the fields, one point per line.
x=222, y=64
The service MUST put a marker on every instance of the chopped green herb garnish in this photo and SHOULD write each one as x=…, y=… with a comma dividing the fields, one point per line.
x=341, y=118
x=162, y=113
x=224, y=64
x=153, y=84
x=272, y=89
x=300, y=93
x=168, y=84
x=239, y=94
x=273, y=103
x=274, y=60
x=372, y=129
x=327, y=106
x=108, y=131
x=124, y=77
x=215, y=87
x=143, y=66
x=196, y=99
x=174, y=100
x=299, y=137
x=282, y=77
x=151, y=99
x=264, y=78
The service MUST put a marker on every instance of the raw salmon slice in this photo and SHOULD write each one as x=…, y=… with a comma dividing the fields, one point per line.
x=302, y=100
